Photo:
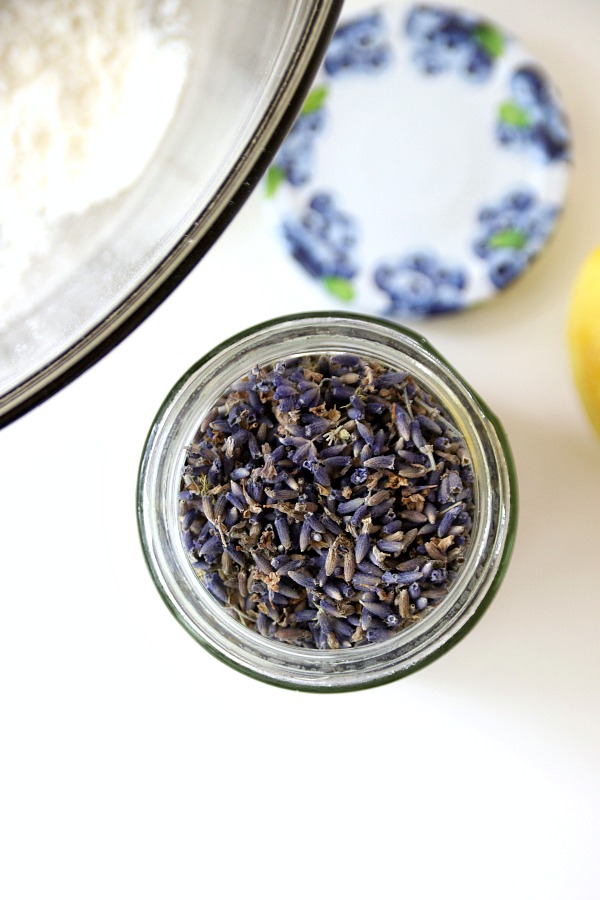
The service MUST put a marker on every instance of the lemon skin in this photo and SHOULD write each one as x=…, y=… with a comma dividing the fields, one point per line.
x=584, y=336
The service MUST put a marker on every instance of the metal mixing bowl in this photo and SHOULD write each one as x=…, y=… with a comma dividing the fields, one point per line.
x=253, y=62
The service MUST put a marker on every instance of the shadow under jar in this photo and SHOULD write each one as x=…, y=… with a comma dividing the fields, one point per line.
x=425, y=632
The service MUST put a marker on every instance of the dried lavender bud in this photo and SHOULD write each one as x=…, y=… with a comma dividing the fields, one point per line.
x=327, y=501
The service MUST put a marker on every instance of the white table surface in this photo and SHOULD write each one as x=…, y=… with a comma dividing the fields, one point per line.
x=134, y=765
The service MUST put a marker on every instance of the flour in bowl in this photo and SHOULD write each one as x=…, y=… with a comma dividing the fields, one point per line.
x=87, y=90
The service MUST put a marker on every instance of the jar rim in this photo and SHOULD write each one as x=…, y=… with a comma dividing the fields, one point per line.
x=160, y=470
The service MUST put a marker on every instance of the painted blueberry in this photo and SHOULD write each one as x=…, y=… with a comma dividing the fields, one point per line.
x=511, y=233
x=531, y=120
x=295, y=158
x=420, y=284
x=360, y=45
x=323, y=240
x=445, y=40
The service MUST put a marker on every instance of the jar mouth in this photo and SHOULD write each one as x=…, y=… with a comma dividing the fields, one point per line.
x=488, y=549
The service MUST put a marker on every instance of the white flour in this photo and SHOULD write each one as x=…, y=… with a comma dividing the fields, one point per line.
x=87, y=89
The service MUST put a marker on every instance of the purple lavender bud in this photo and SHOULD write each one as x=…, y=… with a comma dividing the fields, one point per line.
x=381, y=462
x=375, y=408
x=443, y=492
x=428, y=424
x=333, y=591
x=426, y=570
x=402, y=422
x=305, y=536
x=334, y=450
x=302, y=577
x=338, y=462
x=302, y=454
x=321, y=476
x=343, y=629
x=235, y=554
x=365, y=431
x=314, y=429
x=214, y=473
x=287, y=566
x=375, y=634
x=364, y=453
x=430, y=513
x=376, y=511
x=413, y=458
x=261, y=563
x=363, y=582
x=392, y=527
x=285, y=390
x=378, y=609
x=315, y=523
x=310, y=397
x=231, y=517
x=188, y=495
x=414, y=591
x=188, y=540
x=347, y=361
x=332, y=526
x=319, y=637
x=370, y=568
x=287, y=592
x=327, y=606
x=263, y=624
x=427, y=529
x=283, y=532
x=349, y=506
x=362, y=547
x=253, y=446
x=280, y=494
x=438, y=576
x=240, y=472
x=215, y=586
x=455, y=485
x=239, y=503
x=393, y=547
x=447, y=520
x=380, y=441
x=356, y=408
x=306, y=615
x=391, y=378
x=359, y=514
x=210, y=547
x=411, y=515
x=402, y=578
x=189, y=518
x=341, y=392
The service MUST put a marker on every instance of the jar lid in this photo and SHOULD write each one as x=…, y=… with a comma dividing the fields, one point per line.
x=428, y=166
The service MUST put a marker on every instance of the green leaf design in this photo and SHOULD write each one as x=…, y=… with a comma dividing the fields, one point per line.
x=490, y=39
x=315, y=100
x=341, y=288
x=510, y=237
x=274, y=179
x=515, y=115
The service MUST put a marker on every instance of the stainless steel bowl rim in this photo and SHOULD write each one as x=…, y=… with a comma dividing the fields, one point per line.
x=197, y=240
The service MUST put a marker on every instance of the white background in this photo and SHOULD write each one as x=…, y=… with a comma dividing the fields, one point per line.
x=133, y=764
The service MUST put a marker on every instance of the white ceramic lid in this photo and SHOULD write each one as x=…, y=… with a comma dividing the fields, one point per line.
x=429, y=164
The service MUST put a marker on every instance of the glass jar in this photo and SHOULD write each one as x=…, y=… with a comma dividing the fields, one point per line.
x=488, y=550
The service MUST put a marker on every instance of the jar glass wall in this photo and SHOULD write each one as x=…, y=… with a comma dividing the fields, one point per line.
x=488, y=550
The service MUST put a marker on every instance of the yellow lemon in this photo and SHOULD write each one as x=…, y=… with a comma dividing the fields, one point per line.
x=584, y=335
